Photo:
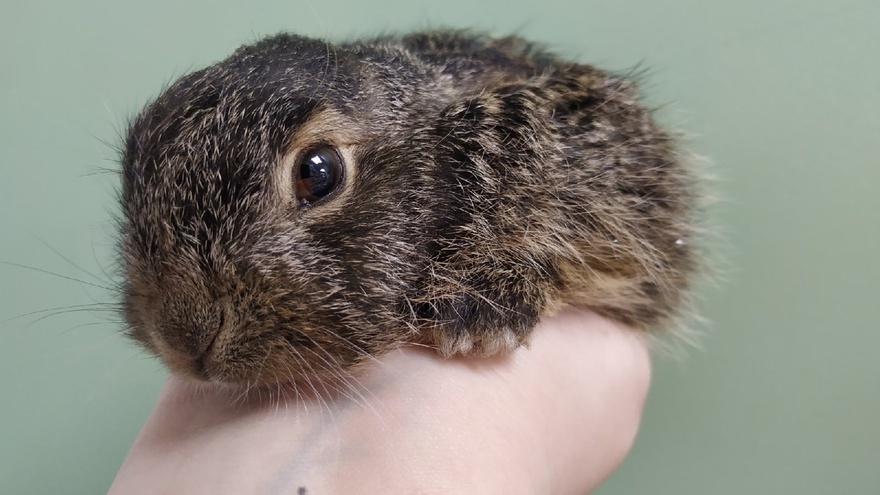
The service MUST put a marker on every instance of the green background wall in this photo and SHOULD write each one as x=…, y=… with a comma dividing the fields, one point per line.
x=783, y=95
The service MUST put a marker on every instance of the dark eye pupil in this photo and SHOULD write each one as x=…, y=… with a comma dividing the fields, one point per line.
x=318, y=175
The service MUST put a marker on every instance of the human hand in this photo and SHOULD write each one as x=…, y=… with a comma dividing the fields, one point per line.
x=557, y=417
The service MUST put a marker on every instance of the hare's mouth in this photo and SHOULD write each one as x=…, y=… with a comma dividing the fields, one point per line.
x=200, y=364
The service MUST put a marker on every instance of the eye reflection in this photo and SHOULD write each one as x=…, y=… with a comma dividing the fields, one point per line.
x=319, y=172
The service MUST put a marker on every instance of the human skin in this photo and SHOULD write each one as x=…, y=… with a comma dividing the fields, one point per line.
x=557, y=417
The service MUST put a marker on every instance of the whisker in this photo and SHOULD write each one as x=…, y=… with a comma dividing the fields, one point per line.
x=65, y=258
x=101, y=171
x=94, y=306
x=94, y=323
x=59, y=313
x=65, y=277
x=337, y=371
x=350, y=344
x=311, y=385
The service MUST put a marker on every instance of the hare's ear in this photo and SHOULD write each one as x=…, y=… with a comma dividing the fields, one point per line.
x=573, y=94
x=516, y=126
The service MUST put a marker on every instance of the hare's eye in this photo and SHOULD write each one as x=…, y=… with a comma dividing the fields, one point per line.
x=318, y=173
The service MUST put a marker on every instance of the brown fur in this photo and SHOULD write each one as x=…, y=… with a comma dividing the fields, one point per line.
x=487, y=183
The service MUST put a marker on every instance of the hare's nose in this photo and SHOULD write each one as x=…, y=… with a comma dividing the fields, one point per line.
x=192, y=331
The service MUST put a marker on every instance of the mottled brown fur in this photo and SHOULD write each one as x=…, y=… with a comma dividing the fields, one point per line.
x=487, y=183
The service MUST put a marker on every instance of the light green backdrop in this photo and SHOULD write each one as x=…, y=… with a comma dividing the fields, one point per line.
x=783, y=95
